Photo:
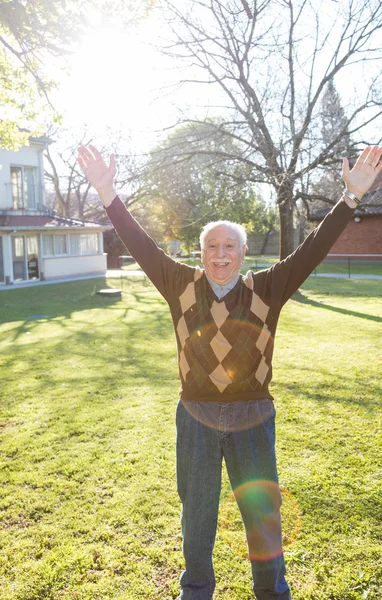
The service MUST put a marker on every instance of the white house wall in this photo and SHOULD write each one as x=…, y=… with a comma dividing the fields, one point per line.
x=28, y=156
x=66, y=266
x=7, y=257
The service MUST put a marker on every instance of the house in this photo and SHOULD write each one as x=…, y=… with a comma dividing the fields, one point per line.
x=35, y=243
x=362, y=238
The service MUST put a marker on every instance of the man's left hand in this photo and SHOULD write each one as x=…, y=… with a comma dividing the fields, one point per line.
x=365, y=171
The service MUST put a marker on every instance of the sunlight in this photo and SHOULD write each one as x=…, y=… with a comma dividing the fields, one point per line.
x=114, y=80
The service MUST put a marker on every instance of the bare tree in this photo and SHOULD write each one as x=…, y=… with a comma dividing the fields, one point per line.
x=71, y=190
x=272, y=62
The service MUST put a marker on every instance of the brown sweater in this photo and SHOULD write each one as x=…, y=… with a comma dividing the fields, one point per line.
x=225, y=346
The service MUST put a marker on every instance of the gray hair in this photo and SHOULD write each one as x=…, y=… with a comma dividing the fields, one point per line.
x=238, y=229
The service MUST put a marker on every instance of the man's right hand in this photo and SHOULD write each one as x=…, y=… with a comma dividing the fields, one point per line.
x=99, y=175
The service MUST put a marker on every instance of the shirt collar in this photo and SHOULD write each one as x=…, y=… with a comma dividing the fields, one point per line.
x=221, y=290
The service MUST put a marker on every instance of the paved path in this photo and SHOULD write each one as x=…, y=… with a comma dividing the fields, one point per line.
x=117, y=274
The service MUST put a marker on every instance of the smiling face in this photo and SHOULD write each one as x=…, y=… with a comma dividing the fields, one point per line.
x=222, y=254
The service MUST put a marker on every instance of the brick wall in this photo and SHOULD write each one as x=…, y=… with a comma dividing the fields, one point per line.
x=360, y=238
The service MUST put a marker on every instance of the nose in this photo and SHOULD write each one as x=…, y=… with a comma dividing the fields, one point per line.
x=220, y=251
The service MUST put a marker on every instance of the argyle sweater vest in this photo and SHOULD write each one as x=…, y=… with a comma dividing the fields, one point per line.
x=225, y=346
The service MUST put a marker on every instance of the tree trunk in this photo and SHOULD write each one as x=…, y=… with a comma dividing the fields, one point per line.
x=286, y=205
x=265, y=242
x=62, y=208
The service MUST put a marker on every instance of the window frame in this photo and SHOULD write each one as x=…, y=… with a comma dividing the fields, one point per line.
x=55, y=254
x=84, y=233
x=69, y=248
x=22, y=202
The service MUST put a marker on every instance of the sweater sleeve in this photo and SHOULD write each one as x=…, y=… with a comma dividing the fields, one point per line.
x=158, y=266
x=287, y=275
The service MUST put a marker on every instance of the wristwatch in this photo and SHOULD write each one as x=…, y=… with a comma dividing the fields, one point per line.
x=352, y=196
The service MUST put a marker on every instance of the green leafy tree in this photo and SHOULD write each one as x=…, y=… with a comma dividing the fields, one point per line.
x=196, y=188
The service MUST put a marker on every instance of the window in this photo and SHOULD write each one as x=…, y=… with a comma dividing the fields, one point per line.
x=60, y=244
x=54, y=244
x=47, y=245
x=80, y=244
x=24, y=187
x=83, y=243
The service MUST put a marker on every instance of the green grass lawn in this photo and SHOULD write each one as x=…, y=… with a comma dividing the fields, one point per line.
x=88, y=502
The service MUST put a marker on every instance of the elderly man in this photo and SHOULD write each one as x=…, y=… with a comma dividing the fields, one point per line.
x=225, y=325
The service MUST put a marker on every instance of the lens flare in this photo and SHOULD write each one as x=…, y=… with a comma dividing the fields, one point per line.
x=259, y=502
x=230, y=417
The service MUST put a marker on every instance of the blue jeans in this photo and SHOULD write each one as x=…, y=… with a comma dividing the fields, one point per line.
x=244, y=434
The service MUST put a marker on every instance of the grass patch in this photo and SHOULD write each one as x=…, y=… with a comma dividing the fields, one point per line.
x=88, y=498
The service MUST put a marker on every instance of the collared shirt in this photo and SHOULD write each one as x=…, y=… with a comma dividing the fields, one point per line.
x=222, y=290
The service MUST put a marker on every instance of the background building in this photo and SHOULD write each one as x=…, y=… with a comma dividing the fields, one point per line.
x=35, y=243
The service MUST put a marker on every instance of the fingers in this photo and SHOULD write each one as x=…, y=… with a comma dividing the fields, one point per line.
x=370, y=155
x=90, y=154
x=81, y=163
x=345, y=168
x=95, y=152
x=373, y=156
x=112, y=166
x=85, y=153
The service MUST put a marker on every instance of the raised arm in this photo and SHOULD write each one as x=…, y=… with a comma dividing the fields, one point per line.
x=159, y=267
x=286, y=276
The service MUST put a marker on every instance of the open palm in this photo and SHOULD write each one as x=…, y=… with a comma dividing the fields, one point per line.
x=97, y=172
x=364, y=172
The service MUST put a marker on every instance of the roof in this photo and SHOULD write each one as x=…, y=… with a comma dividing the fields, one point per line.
x=47, y=223
x=374, y=196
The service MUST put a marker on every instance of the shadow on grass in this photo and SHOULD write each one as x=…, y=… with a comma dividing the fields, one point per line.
x=41, y=303
x=107, y=354
x=364, y=395
x=299, y=297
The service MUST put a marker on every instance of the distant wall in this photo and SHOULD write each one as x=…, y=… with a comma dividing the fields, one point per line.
x=272, y=246
x=364, y=237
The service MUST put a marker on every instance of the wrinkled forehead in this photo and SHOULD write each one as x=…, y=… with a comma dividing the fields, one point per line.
x=222, y=233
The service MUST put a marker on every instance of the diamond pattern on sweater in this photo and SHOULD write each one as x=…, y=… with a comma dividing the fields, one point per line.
x=259, y=308
x=187, y=299
x=220, y=378
x=248, y=280
x=221, y=350
x=262, y=371
x=219, y=313
x=198, y=273
x=220, y=346
x=183, y=365
x=263, y=338
x=182, y=331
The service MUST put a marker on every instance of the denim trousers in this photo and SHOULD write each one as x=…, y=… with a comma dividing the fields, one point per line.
x=243, y=433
